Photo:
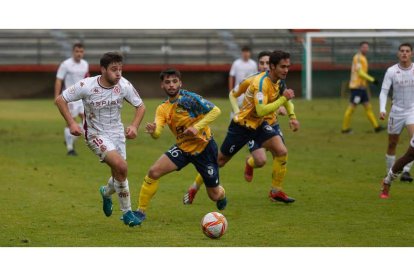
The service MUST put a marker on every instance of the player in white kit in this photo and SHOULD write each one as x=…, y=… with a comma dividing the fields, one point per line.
x=401, y=77
x=103, y=97
x=70, y=72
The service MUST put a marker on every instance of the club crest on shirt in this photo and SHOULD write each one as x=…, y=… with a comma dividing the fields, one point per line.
x=117, y=90
x=82, y=83
x=102, y=148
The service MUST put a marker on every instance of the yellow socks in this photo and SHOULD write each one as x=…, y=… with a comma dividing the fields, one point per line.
x=198, y=181
x=148, y=189
x=279, y=171
x=371, y=116
x=347, y=117
x=250, y=162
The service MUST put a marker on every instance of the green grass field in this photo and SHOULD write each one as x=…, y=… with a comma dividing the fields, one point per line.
x=49, y=199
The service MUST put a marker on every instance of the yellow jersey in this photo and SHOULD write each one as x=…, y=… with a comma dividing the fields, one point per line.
x=184, y=112
x=359, y=62
x=261, y=90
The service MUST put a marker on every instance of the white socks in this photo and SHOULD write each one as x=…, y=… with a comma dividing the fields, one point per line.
x=407, y=167
x=122, y=189
x=109, y=188
x=389, y=161
x=68, y=139
x=390, y=177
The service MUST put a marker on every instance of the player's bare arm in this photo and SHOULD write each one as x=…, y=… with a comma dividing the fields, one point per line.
x=132, y=131
x=58, y=87
x=74, y=128
x=150, y=128
x=294, y=124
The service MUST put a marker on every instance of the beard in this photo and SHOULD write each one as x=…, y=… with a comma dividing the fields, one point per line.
x=172, y=93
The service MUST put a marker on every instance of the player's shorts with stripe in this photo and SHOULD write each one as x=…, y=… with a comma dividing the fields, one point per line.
x=257, y=144
x=76, y=108
x=398, y=120
x=358, y=96
x=205, y=162
x=102, y=144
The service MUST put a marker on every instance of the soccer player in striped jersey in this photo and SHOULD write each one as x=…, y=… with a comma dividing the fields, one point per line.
x=358, y=85
x=70, y=72
x=257, y=158
x=188, y=116
x=103, y=98
x=401, y=77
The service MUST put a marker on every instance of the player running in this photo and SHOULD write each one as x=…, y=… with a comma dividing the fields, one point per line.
x=257, y=158
x=70, y=72
x=401, y=77
x=103, y=98
x=188, y=116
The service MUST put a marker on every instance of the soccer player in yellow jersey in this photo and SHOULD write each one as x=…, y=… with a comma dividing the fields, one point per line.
x=262, y=98
x=257, y=158
x=358, y=86
x=187, y=115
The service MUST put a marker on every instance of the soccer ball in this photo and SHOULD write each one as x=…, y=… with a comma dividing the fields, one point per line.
x=214, y=225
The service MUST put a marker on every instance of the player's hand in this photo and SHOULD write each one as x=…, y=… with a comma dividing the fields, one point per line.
x=289, y=94
x=75, y=129
x=375, y=82
x=294, y=124
x=150, y=128
x=281, y=111
x=192, y=131
x=131, y=132
x=382, y=115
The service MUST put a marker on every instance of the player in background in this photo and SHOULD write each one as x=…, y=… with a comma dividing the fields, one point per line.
x=103, y=98
x=263, y=97
x=401, y=77
x=358, y=86
x=241, y=69
x=70, y=72
x=257, y=158
x=188, y=116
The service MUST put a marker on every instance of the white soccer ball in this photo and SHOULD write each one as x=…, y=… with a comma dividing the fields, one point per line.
x=214, y=225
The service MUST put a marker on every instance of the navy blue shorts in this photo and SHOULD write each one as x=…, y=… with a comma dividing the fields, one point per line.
x=237, y=136
x=358, y=96
x=256, y=144
x=205, y=162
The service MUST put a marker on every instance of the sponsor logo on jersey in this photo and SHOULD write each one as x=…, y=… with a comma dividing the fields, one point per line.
x=96, y=90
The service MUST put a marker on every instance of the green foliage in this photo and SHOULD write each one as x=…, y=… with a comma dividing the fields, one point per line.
x=50, y=199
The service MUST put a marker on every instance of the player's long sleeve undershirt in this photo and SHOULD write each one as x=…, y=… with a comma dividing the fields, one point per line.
x=264, y=109
x=208, y=118
x=365, y=76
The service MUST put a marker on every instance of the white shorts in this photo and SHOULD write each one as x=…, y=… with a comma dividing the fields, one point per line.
x=102, y=144
x=412, y=142
x=396, y=122
x=76, y=108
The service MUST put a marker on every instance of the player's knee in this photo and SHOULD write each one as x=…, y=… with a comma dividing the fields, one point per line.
x=260, y=161
x=154, y=172
x=222, y=160
x=281, y=152
x=214, y=193
x=122, y=168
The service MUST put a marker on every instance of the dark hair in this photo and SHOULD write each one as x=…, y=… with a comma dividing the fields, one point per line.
x=406, y=45
x=246, y=48
x=109, y=58
x=77, y=45
x=363, y=42
x=263, y=54
x=277, y=56
x=170, y=72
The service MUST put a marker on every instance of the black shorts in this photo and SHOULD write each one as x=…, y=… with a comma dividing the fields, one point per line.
x=254, y=145
x=205, y=162
x=238, y=136
x=358, y=96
